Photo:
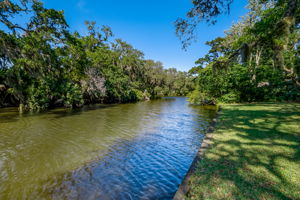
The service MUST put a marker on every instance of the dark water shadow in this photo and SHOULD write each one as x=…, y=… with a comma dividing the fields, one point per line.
x=64, y=112
x=12, y=114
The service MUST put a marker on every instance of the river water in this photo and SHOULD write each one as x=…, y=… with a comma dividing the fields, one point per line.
x=130, y=151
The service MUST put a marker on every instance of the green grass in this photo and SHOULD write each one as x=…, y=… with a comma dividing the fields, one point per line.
x=254, y=154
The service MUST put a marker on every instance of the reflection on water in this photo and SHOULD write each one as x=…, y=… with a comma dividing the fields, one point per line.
x=129, y=151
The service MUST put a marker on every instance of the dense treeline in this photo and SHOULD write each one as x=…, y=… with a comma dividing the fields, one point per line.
x=43, y=64
x=258, y=59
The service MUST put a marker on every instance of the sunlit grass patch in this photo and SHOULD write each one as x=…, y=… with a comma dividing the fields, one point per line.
x=255, y=154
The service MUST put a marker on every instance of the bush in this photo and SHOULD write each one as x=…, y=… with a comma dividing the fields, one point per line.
x=38, y=96
x=73, y=96
x=198, y=98
x=231, y=97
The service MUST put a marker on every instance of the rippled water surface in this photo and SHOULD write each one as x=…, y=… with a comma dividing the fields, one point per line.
x=130, y=151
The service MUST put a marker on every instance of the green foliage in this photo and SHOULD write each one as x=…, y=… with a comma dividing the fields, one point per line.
x=198, y=98
x=229, y=98
x=43, y=64
x=72, y=95
x=257, y=60
x=38, y=95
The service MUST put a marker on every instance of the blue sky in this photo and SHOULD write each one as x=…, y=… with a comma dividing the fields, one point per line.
x=147, y=25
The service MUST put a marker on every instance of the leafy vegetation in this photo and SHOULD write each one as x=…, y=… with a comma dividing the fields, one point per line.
x=43, y=64
x=258, y=58
x=254, y=154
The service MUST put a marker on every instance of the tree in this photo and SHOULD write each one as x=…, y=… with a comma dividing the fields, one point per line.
x=209, y=10
x=43, y=64
x=255, y=60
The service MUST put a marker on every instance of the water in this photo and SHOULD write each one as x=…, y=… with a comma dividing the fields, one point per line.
x=130, y=151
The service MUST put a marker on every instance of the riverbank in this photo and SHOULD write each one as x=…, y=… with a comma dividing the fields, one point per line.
x=254, y=154
x=100, y=151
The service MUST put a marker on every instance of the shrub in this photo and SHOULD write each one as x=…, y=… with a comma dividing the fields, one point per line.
x=231, y=97
x=198, y=98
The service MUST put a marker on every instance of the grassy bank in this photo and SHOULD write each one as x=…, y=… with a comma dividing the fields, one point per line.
x=254, y=154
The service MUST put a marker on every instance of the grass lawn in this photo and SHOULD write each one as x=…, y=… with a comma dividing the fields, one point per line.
x=254, y=154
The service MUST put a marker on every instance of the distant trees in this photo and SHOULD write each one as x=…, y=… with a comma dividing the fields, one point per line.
x=43, y=64
x=257, y=60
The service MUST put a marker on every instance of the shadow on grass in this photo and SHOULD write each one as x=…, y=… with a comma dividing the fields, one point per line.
x=255, y=154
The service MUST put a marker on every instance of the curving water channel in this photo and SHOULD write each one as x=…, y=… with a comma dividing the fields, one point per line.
x=130, y=151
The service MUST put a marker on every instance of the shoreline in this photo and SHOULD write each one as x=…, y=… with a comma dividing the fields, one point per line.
x=253, y=154
x=183, y=188
x=24, y=110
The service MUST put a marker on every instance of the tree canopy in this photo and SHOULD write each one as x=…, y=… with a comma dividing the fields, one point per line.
x=43, y=64
x=256, y=60
x=208, y=11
